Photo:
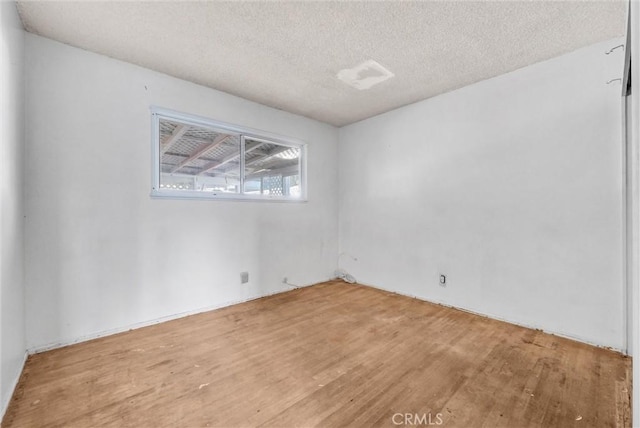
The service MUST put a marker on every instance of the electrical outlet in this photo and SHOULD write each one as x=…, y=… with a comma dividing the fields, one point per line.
x=244, y=277
x=443, y=280
x=285, y=280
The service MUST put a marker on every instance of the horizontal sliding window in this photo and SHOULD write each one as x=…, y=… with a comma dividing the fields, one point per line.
x=195, y=157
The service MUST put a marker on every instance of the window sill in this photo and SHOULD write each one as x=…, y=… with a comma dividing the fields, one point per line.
x=211, y=196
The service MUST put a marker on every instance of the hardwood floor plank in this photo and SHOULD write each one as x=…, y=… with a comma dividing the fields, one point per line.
x=330, y=355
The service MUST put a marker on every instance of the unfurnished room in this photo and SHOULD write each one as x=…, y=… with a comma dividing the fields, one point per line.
x=319, y=214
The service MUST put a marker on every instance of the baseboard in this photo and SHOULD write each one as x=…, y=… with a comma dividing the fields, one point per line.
x=109, y=332
x=60, y=344
x=498, y=318
x=14, y=384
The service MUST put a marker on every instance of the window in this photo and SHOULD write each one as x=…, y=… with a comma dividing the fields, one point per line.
x=195, y=157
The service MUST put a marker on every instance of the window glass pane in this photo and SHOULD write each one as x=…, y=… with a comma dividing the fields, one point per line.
x=271, y=169
x=198, y=159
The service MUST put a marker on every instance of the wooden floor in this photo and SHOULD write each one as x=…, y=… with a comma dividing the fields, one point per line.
x=329, y=355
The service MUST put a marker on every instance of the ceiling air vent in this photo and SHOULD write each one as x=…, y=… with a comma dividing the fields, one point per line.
x=365, y=75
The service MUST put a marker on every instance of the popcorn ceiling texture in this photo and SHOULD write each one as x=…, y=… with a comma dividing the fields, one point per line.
x=287, y=54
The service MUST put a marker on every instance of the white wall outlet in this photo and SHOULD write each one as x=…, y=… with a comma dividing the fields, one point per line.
x=244, y=277
x=443, y=280
x=285, y=280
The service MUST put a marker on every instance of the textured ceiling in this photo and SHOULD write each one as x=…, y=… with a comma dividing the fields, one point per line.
x=287, y=54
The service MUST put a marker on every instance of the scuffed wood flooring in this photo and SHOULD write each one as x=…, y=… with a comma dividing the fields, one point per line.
x=329, y=355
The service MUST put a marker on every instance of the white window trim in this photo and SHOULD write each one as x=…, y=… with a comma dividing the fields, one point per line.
x=245, y=132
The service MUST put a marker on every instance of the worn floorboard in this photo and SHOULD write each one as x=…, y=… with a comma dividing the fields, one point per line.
x=330, y=355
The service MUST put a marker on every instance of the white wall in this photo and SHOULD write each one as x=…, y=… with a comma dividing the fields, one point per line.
x=512, y=187
x=12, y=331
x=102, y=254
x=633, y=134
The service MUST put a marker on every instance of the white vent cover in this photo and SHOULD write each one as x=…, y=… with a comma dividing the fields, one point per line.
x=365, y=75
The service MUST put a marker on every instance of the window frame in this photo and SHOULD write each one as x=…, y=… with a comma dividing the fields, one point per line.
x=243, y=132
